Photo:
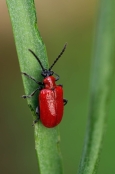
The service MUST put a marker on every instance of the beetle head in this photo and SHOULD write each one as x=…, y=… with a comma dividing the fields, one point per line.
x=46, y=73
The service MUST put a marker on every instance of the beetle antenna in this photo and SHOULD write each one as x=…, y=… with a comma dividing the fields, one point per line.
x=58, y=56
x=37, y=59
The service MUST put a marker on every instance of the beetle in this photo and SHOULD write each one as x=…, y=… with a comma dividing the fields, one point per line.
x=50, y=99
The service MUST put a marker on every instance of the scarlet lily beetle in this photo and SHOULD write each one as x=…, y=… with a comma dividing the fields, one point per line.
x=50, y=99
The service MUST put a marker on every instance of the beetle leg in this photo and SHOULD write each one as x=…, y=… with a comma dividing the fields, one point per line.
x=38, y=117
x=28, y=96
x=57, y=77
x=60, y=85
x=27, y=75
x=65, y=101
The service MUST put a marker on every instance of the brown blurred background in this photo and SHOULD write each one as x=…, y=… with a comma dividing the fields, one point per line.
x=59, y=22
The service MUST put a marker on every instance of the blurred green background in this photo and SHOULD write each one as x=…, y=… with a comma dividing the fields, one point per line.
x=59, y=22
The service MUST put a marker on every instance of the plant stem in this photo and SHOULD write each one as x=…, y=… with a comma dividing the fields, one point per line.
x=101, y=82
x=27, y=36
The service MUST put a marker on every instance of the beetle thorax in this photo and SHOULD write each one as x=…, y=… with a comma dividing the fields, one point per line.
x=49, y=82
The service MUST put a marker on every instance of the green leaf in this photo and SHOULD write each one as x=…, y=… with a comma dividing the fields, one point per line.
x=101, y=82
x=27, y=36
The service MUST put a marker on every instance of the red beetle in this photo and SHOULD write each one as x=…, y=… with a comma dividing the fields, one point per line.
x=50, y=99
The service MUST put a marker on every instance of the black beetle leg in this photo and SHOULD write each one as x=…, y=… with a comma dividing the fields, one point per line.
x=57, y=77
x=65, y=101
x=29, y=96
x=60, y=85
x=38, y=116
x=27, y=75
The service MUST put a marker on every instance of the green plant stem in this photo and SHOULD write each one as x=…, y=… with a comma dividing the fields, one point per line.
x=101, y=82
x=27, y=36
